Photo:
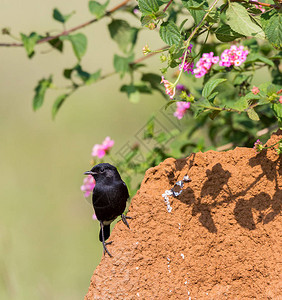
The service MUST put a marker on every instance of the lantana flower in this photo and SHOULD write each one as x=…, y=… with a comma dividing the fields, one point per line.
x=205, y=63
x=146, y=50
x=188, y=64
x=101, y=150
x=88, y=185
x=258, y=6
x=169, y=87
x=181, y=87
x=181, y=107
x=233, y=56
x=280, y=99
x=258, y=146
x=255, y=90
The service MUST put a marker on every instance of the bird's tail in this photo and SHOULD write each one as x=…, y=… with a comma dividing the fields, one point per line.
x=107, y=229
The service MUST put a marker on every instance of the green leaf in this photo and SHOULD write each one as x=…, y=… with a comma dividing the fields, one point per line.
x=79, y=43
x=252, y=114
x=121, y=64
x=272, y=26
x=196, y=8
x=123, y=34
x=58, y=16
x=98, y=9
x=170, y=33
x=271, y=89
x=86, y=77
x=148, y=6
x=83, y=75
x=240, y=104
x=58, y=103
x=57, y=44
x=277, y=108
x=255, y=57
x=160, y=15
x=239, y=20
x=146, y=20
x=214, y=114
x=93, y=77
x=67, y=73
x=40, y=91
x=240, y=78
x=29, y=42
x=154, y=81
x=251, y=96
x=225, y=34
x=132, y=92
x=169, y=104
x=211, y=85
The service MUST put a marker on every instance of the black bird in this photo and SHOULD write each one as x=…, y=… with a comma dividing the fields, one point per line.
x=110, y=196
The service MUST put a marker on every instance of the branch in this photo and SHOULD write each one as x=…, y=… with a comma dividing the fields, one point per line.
x=167, y=5
x=277, y=6
x=67, y=32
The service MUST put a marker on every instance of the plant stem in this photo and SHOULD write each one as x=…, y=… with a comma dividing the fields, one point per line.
x=67, y=32
x=191, y=36
x=273, y=145
x=167, y=5
x=277, y=6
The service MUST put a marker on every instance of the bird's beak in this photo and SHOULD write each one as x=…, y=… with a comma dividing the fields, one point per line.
x=90, y=173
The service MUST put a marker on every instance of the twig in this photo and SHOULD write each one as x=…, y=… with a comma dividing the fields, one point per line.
x=67, y=32
x=166, y=7
x=277, y=6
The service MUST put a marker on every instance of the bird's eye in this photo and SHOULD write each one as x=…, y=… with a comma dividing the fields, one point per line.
x=102, y=170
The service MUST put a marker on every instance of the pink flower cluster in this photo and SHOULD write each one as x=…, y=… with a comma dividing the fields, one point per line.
x=88, y=185
x=255, y=90
x=280, y=99
x=181, y=107
x=205, y=63
x=258, y=146
x=188, y=64
x=169, y=87
x=259, y=7
x=233, y=56
x=101, y=150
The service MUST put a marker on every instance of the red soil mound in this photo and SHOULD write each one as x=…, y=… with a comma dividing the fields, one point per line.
x=222, y=239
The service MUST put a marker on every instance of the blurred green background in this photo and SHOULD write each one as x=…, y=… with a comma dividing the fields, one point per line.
x=48, y=241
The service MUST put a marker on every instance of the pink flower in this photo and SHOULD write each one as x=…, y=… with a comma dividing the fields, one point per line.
x=181, y=108
x=233, y=56
x=146, y=50
x=101, y=150
x=205, y=63
x=258, y=146
x=259, y=7
x=181, y=87
x=255, y=90
x=169, y=87
x=88, y=185
x=280, y=99
x=188, y=64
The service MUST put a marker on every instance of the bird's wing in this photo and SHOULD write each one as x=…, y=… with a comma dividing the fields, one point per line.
x=114, y=196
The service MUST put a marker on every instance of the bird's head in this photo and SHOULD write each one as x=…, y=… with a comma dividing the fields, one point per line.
x=103, y=172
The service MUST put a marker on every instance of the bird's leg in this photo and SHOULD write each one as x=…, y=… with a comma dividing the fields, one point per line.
x=124, y=217
x=103, y=240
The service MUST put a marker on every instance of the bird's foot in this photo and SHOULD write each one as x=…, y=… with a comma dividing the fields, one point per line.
x=124, y=217
x=105, y=248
